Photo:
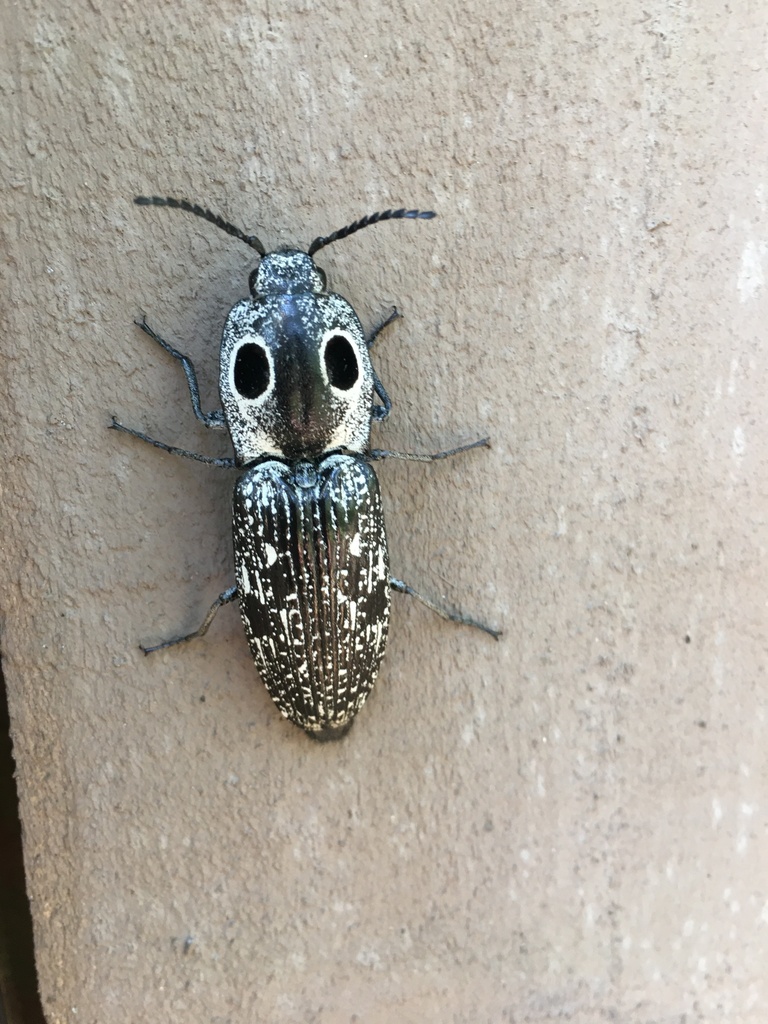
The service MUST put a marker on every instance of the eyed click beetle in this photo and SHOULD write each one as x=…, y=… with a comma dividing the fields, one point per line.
x=298, y=392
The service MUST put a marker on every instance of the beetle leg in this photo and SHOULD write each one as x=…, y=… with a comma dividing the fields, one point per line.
x=208, y=459
x=380, y=412
x=445, y=613
x=224, y=598
x=382, y=453
x=213, y=419
x=394, y=315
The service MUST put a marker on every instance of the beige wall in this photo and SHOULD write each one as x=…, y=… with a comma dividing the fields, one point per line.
x=569, y=825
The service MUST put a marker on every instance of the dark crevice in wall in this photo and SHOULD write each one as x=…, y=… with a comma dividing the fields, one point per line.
x=19, y=998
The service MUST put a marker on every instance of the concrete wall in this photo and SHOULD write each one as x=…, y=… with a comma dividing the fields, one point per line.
x=568, y=825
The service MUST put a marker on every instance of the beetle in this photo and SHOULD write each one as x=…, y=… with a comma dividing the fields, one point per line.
x=298, y=392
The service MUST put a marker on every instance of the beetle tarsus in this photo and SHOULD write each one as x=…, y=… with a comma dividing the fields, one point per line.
x=230, y=594
x=383, y=453
x=444, y=613
x=394, y=315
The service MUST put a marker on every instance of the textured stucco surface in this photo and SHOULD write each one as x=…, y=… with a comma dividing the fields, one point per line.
x=568, y=825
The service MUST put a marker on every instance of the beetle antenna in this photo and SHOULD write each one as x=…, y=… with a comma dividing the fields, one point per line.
x=199, y=211
x=364, y=222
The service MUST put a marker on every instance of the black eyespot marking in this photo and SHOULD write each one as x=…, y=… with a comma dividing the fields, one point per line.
x=251, y=370
x=341, y=363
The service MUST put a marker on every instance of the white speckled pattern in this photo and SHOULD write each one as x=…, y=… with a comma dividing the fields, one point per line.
x=313, y=580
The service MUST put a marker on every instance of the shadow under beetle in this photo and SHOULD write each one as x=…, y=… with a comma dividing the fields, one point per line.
x=297, y=388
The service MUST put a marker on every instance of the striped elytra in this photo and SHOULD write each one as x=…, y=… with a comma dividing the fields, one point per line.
x=313, y=582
